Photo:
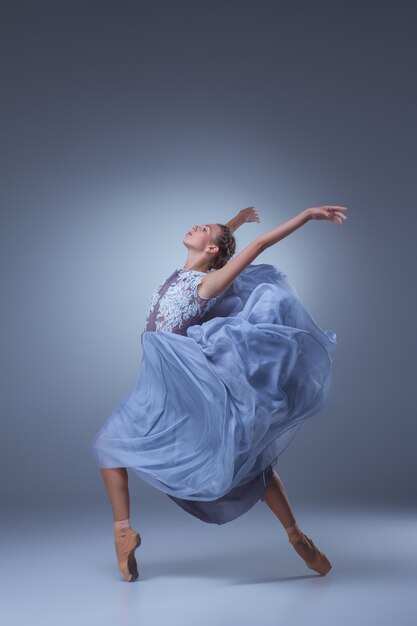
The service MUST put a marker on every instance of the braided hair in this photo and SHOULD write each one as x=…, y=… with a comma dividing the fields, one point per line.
x=227, y=246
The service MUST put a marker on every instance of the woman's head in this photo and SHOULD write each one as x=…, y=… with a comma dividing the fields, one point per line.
x=210, y=245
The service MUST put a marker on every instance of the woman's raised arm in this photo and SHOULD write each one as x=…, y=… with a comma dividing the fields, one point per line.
x=245, y=215
x=219, y=280
x=332, y=213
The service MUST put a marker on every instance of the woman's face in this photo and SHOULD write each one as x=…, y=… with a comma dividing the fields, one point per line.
x=199, y=237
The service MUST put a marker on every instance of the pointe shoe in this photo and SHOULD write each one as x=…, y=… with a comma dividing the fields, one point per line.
x=313, y=558
x=126, y=540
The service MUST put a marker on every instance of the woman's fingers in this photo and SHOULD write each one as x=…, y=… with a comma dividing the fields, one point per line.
x=256, y=214
x=251, y=214
x=326, y=212
x=335, y=216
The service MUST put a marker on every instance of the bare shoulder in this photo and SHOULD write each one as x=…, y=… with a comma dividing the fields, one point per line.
x=215, y=282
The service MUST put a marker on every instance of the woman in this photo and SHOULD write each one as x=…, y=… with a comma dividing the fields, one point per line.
x=232, y=365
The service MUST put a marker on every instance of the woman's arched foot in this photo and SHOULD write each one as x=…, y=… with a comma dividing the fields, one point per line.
x=313, y=558
x=126, y=540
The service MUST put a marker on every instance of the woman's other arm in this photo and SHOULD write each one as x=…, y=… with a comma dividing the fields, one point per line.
x=245, y=215
x=219, y=280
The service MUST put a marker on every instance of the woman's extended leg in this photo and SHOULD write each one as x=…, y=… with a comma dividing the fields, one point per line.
x=116, y=481
x=277, y=499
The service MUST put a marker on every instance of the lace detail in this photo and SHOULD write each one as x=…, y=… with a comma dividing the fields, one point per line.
x=176, y=304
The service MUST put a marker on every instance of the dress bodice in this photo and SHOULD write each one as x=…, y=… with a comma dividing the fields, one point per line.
x=176, y=304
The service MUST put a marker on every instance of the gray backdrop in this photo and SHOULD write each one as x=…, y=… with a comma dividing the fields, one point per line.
x=125, y=123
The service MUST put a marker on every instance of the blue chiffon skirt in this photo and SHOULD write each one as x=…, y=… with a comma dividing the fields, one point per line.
x=211, y=410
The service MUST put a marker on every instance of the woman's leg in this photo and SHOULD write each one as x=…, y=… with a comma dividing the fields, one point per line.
x=116, y=481
x=277, y=499
x=126, y=540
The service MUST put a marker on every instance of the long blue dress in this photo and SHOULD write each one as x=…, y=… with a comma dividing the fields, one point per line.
x=223, y=387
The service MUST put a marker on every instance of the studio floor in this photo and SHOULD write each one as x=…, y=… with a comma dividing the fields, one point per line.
x=59, y=567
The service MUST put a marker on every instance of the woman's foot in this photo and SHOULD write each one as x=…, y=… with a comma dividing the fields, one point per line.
x=126, y=540
x=313, y=558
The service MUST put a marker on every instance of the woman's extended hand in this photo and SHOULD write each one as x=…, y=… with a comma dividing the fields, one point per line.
x=332, y=213
x=250, y=214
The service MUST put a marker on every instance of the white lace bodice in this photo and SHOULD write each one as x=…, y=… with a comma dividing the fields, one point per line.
x=176, y=304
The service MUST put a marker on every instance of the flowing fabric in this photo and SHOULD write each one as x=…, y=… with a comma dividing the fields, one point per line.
x=212, y=408
x=233, y=504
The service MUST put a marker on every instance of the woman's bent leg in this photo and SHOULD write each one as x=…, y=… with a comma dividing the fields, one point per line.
x=116, y=481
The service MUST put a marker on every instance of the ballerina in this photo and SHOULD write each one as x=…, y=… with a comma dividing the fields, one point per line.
x=232, y=365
